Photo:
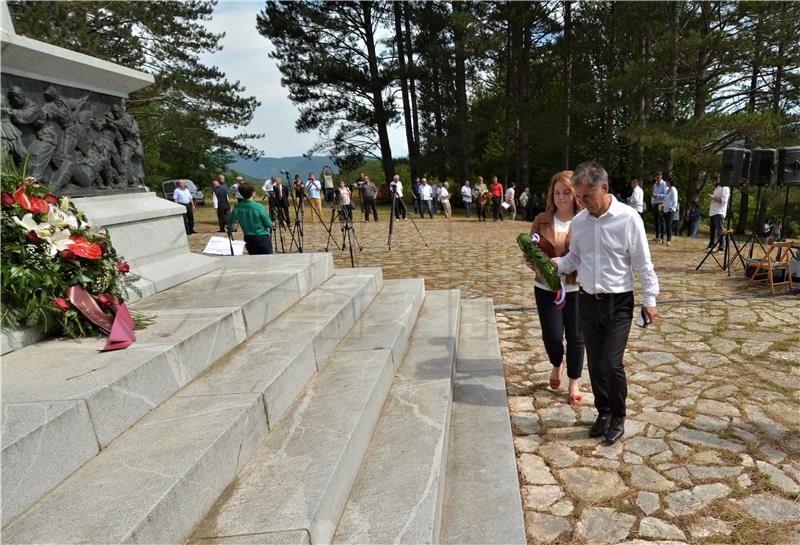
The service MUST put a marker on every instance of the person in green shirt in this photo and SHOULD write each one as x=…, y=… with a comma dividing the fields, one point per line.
x=254, y=220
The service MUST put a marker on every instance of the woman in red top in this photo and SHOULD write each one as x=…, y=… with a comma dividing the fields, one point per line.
x=553, y=228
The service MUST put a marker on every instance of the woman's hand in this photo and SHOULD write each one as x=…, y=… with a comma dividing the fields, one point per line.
x=528, y=263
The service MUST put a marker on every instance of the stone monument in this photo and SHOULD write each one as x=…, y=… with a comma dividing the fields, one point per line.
x=64, y=114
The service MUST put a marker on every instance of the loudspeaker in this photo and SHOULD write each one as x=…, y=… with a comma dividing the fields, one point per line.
x=789, y=166
x=762, y=165
x=735, y=167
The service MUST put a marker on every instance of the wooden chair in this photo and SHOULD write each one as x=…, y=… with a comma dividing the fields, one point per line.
x=768, y=264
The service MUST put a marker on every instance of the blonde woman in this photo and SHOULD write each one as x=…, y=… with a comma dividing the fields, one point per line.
x=553, y=228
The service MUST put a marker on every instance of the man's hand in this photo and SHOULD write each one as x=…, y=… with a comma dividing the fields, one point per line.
x=650, y=314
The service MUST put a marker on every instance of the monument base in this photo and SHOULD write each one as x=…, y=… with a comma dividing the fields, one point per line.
x=147, y=232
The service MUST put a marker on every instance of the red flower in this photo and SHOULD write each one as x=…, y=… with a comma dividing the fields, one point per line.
x=32, y=237
x=51, y=199
x=61, y=303
x=123, y=267
x=67, y=255
x=83, y=248
x=8, y=200
x=104, y=300
x=31, y=204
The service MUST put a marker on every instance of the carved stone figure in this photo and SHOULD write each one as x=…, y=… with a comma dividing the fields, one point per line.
x=78, y=146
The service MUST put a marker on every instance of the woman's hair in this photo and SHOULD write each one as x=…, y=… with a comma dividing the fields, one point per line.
x=565, y=177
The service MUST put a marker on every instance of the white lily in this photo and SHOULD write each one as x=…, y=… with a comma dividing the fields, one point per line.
x=92, y=228
x=29, y=224
x=59, y=218
x=59, y=241
x=64, y=204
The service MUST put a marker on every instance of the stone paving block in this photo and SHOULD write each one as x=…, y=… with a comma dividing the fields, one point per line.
x=290, y=537
x=155, y=481
x=309, y=461
x=482, y=498
x=42, y=444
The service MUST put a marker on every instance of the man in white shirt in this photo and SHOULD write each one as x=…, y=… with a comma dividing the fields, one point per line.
x=717, y=211
x=608, y=246
x=657, y=198
x=426, y=199
x=183, y=196
x=636, y=200
x=466, y=197
x=399, y=206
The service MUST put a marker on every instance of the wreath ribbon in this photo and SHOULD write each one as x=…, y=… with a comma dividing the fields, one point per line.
x=119, y=328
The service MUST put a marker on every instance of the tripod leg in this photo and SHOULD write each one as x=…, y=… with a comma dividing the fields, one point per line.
x=711, y=253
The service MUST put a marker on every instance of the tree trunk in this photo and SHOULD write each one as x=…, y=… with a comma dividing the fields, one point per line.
x=412, y=85
x=401, y=63
x=744, y=204
x=642, y=114
x=381, y=117
x=461, y=124
x=608, y=111
x=672, y=88
x=521, y=100
x=567, y=80
x=700, y=101
x=510, y=83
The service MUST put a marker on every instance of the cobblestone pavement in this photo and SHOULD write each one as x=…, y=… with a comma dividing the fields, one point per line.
x=711, y=452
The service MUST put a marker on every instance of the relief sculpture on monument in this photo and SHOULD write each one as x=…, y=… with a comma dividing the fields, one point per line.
x=78, y=142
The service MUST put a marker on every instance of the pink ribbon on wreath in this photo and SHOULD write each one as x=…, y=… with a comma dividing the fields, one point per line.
x=119, y=328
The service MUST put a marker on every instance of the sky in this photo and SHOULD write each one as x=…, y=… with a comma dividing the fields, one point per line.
x=244, y=58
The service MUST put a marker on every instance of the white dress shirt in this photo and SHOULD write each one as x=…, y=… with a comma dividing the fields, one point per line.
x=607, y=250
x=720, y=208
x=425, y=192
x=268, y=186
x=660, y=189
x=398, y=188
x=637, y=199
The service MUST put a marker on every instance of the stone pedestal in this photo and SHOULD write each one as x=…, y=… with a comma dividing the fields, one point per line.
x=148, y=232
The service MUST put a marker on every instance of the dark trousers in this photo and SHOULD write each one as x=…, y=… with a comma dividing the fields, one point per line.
x=496, y=210
x=258, y=244
x=666, y=219
x=716, y=229
x=481, y=209
x=328, y=192
x=222, y=218
x=369, y=204
x=557, y=324
x=188, y=219
x=659, y=221
x=400, y=208
x=605, y=325
x=415, y=204
x=467, y=207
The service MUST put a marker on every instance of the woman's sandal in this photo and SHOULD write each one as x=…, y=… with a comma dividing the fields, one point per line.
x=575, y=399
x=555, y=383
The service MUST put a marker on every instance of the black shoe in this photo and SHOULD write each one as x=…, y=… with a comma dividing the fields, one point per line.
x=615, y=430
x=600, y=425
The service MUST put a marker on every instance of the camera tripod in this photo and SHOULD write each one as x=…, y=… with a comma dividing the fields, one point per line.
x=347, y=228
x=726, y=240
x=391, y=219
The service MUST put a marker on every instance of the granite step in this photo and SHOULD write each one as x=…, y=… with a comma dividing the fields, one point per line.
x=297, y=482
x=482, y=500
x=398, y=495
x=157, y=480
x=64, y=401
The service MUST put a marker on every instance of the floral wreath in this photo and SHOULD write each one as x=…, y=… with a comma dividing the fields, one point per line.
x=60, y=272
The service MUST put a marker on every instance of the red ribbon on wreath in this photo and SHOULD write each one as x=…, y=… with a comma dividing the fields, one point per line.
x=119, y=328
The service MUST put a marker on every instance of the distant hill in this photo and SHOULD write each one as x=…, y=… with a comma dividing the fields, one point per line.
x=267, y=167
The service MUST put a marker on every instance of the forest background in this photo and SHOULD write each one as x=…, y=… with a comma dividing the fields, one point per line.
x=514, y=89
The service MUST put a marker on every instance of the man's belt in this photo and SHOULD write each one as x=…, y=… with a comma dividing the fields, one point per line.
x=602, y=296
